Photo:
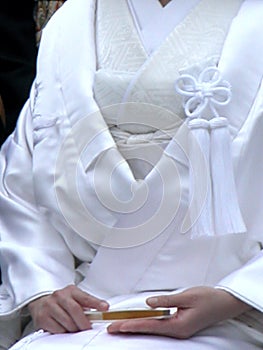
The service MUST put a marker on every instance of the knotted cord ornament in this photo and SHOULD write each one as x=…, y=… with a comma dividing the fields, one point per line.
x=218, y=213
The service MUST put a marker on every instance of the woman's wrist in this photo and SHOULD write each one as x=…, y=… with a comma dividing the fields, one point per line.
x=234, y=306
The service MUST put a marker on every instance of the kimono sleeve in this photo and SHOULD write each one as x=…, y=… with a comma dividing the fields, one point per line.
x=246, y=283
x=35, y=259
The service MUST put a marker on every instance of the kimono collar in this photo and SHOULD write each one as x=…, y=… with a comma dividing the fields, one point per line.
x=150, y=14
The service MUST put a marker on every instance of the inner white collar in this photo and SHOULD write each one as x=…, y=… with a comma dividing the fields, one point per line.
x=155, y=22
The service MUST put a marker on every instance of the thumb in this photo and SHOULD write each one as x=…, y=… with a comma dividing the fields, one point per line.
x=172, y=300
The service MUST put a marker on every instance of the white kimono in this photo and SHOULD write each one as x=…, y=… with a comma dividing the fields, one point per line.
x=67, y=209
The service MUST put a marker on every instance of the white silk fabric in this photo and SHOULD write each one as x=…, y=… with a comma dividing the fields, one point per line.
x=39, y=246
x=149, y=15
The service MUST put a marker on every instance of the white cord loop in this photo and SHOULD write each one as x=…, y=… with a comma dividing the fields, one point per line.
x=208, y=90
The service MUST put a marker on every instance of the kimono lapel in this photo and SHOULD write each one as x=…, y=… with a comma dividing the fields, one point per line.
x=131, y=258
x=150, y=15
x=131, y=262
x=128, y=265
x=199, y=37
x=118, y=44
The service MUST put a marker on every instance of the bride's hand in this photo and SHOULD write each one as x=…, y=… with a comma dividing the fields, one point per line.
x=198, y=308
x=62, y=311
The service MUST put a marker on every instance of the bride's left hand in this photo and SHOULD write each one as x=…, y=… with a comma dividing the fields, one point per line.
x=197, y=309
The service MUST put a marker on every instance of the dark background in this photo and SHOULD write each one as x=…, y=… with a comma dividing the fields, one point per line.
x=17, y=58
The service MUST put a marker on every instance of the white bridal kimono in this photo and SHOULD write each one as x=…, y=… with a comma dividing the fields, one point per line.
x=94, y=191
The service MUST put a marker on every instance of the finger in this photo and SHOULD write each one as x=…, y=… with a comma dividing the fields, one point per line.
x=75, y=311
x=63, y=318
x=89, y=301
x=115, y=327
x=158, y=327
x=52, y=326
x=181, y=300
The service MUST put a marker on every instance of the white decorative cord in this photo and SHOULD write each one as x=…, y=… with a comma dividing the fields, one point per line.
x=219, y=212
x=209, y=90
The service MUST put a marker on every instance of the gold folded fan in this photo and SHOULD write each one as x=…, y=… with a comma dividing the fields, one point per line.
x=114, y=315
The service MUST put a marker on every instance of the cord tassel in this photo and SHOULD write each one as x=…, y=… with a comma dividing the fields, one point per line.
x=219, y=212
x=200, y=208
x=227, y=215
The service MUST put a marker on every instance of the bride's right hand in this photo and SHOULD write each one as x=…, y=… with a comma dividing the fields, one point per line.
x=62, y=311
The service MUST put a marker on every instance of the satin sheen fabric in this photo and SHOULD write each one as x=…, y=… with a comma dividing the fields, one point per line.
x=34, y=233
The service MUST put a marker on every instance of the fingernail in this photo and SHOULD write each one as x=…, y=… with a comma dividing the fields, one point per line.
x=124, y=329
x=153, y=301
x=111, y=329
x=104, y=305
